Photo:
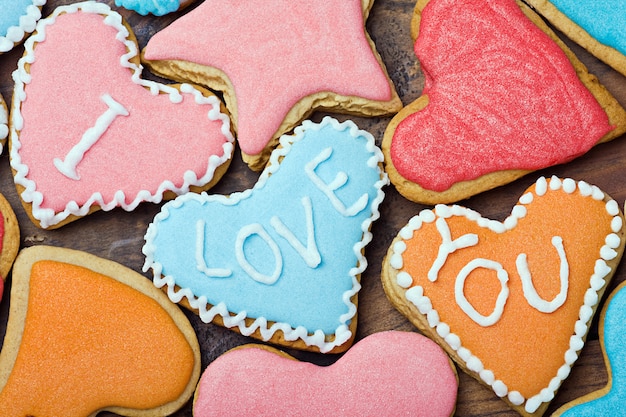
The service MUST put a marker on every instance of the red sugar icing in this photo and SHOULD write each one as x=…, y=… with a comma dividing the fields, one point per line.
x=505, y=97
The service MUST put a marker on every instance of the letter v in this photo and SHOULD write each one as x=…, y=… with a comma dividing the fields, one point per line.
x=310, y=254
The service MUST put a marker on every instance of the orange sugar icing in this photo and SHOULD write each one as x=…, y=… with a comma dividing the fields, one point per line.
x=91, y=342
x=525, y=347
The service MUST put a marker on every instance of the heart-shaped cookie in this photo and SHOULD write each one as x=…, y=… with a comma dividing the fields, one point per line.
x=9, y=239
x=100, y=333
x=281, y=261
x=386, y=374
x=510, y=301
x=277, y=61
x=87, y=132
x=18, y=18
x=502, y=96
x=598, y=26
x=155, y=7
x=608, y=401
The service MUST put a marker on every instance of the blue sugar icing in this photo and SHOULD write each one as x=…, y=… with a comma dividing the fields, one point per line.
x=155, y=7
x=602, y=19
x=12, y=10
x=614, y=402
x=302, y=296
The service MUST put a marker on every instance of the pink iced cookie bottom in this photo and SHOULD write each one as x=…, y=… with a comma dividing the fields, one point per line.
x=388, y=373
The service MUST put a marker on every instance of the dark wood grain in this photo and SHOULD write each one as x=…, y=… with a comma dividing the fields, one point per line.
x=118, y=235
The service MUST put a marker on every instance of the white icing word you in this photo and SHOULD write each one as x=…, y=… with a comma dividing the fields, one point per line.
x=309, y=252
x=74, y=157
x=449, y=246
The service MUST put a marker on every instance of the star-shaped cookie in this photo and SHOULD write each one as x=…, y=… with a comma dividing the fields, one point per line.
x=276, y=61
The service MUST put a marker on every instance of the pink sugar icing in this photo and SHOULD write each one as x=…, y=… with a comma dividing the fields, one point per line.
x=158, y=143
x=389, y=373
x=274, y=55
x=502, y=95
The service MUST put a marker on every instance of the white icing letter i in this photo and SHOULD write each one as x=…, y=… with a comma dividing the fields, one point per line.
x=68, y=165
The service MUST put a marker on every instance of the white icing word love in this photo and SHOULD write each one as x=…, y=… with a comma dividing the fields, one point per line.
x=285, y=255
x=309, y=252
x=449, y=246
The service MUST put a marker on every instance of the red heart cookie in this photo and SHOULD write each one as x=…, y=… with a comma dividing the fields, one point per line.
x=385, y=374
x=510, y=301
x=87, y=132
x=502, y=97
x=97, y=332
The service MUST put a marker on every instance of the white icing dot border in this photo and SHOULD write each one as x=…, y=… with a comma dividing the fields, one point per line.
x=27, y=24
x=47, y=217
x=415, y=295
x=208, y=312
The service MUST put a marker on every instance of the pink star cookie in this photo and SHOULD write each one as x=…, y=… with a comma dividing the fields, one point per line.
x=276, y=61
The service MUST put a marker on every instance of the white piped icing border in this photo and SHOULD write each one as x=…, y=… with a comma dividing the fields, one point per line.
x=608, y=252
x=4, y=122
x=47, y=217
x=208, y=312
x=27, y=24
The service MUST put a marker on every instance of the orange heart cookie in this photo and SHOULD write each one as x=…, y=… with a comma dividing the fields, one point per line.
x=100, y=332
x=511, y=301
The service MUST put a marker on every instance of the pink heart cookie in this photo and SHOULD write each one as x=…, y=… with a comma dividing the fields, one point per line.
x=87, y=132
x=276, y=61
x=389, y=373
x=502, y=96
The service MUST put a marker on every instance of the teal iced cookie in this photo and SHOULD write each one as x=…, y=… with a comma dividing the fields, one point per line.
x=280, y=261
x=17, y=19
x=597, y=25
x=155, y=7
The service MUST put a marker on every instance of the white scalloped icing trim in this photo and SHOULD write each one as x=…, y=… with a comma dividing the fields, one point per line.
x=27, y=24
x=416, y=296
x=208, y=312
x=4, y=122
x=47, y=217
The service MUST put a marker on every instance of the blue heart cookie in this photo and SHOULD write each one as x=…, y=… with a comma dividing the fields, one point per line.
x=281, y=261
x=17, y=19
x=155, y=7
x=597, y=25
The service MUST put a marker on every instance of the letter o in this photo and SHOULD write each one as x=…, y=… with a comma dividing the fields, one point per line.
x=464, y=304
x=242, y=236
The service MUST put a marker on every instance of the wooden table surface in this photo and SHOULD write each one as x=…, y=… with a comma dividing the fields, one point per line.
x=118, y=235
